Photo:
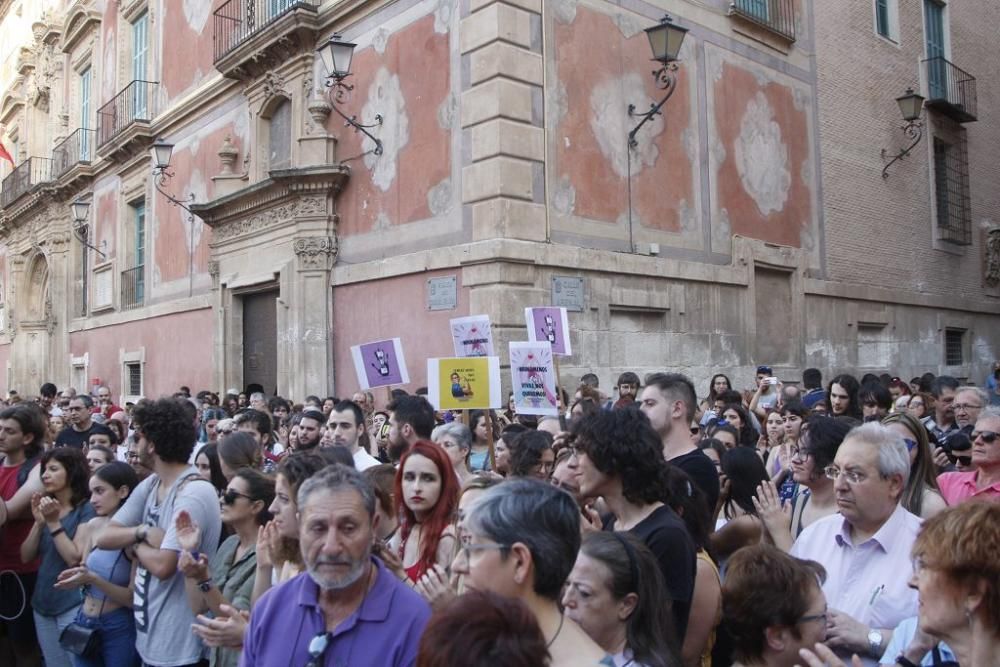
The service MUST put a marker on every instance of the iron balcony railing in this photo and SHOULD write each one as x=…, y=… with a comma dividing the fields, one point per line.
x=77, y=148
x=29, y=173
x=778, y=16
x=133, y=287
x=951, y=90
x=133, y=104
x=238, y=20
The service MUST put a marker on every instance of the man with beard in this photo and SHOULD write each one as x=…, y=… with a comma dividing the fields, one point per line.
x=165, y=435
x=346, y=608
x=310, y=429
x=669, y=401
x=628, y=389
x=411, y=418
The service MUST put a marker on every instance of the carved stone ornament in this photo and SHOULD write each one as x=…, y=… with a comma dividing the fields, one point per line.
x=991, y=249
x=316, y=253
x=213, y=268
x=319, y=110
x=274, y=84
x=256, y=223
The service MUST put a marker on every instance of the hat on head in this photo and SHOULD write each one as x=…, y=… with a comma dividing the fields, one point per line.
x=764, y=369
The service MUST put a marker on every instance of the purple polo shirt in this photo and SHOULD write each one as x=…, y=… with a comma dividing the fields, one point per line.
x=384, y=631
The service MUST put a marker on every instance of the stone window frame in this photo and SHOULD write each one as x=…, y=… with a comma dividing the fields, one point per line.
x=127, y=358
x=892, y=11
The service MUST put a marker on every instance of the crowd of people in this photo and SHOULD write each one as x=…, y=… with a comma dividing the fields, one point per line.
x=794, y=523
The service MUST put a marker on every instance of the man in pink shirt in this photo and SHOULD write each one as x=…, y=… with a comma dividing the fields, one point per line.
x=984, y=481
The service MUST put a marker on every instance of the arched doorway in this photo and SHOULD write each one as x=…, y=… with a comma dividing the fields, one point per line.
x=30, y=361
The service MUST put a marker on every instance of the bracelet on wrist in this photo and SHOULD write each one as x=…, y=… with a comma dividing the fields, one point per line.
x=57, y=531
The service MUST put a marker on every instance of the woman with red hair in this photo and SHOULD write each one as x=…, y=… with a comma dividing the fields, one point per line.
x=426, y=490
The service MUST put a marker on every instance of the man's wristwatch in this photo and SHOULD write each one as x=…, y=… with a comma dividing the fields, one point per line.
x=205, y=586
x=875, y=643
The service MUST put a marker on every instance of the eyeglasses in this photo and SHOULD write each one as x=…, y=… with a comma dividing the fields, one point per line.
x=317, y=647
x=800, y=453
x=960, y=460
x=852, y=476
x=814, y=617
x=230, y=497
x=966, y=406
x=467, y=548
x=989, y=437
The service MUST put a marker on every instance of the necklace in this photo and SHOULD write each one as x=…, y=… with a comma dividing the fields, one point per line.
x=562, y=617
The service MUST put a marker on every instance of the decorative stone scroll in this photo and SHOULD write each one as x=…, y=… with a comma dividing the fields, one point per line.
x=316, y=253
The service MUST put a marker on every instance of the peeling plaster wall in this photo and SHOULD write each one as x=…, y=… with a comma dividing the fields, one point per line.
x=601, y=68
x=411, y=180
x=762, y=157
x=167, y=341
x=187, y=45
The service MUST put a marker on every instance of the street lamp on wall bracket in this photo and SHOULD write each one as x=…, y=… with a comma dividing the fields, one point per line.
x=80, y=210
x=665, y=39
x=163, y=173
x=910, y=105
x=336, y=55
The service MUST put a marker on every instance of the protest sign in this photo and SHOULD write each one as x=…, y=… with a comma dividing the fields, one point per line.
x=472, y=336
x=380, y=363
x=533, y=373
x=549, y=324
x=464, y=383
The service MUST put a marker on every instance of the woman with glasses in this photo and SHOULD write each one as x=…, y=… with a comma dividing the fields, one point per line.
x=920, y=405
x=817, y=446
x=426, y=491
x=615, y=594
x=229, y=577
x=456, y=439
x=921, y=495
x=531, y=455
x=106, y=576
x=772, y=606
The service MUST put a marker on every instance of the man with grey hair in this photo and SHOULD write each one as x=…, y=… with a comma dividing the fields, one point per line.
x=865, y=549
x=969, y=401
x=983, y=482
x=346, y=608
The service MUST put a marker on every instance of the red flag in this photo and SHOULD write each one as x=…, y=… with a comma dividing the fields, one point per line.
x=5, y=155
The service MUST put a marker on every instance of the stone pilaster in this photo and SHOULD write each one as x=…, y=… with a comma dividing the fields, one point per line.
x=502, y=118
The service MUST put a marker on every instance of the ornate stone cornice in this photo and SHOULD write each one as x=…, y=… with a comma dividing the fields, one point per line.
x=288, y=195
x=81, y=20
x=292, y=33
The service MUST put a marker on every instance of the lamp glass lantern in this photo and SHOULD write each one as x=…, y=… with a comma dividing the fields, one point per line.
x=80, y=209
x=161, y=154
x=337, y=55
x=665, y=39
x=910, y=105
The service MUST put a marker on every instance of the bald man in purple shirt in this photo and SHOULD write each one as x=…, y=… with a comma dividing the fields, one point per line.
x=347, y=608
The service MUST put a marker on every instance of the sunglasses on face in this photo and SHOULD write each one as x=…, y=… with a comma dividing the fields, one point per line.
x=965, y=461
x=230, y=497
x=989, y=437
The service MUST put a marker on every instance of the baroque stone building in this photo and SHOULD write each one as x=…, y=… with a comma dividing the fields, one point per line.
x=750, y=222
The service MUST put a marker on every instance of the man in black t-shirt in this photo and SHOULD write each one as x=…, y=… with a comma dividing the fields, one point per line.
x=77, y=434
x=669, y=401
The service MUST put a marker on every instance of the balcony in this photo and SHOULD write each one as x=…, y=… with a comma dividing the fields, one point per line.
x=123, y=124
x=950, y=90
x=33, y=171
x=774, y=16
x=133, y=288
x=251, y=36
x=76, y=149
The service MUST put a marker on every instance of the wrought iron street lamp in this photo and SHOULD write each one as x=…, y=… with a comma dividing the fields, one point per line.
x=910, y=106
x=336, y=55
x=80, y=210
x=665, y=41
